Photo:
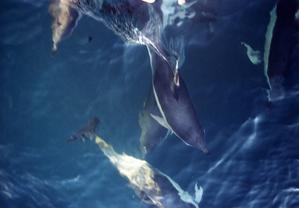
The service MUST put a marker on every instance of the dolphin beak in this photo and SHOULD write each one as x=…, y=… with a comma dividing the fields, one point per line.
x=202, y=146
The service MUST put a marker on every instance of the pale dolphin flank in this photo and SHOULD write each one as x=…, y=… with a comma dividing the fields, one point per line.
x=268, y=40
x=150, y=185
x=175, y=105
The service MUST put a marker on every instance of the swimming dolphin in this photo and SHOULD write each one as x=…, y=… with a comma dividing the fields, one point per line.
x=151, y=185
x=174, y=103
x=152, y=133
x=65, y=20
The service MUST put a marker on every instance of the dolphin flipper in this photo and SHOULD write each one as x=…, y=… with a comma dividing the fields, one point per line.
x=86, y=132
x=161, y=121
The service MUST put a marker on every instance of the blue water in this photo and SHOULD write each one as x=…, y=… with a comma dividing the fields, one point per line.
x=44, y=98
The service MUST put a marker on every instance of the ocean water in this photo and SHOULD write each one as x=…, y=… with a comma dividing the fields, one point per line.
x=45, y=97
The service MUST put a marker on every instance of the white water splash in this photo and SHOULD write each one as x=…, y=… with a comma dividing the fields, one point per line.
x=172, y=14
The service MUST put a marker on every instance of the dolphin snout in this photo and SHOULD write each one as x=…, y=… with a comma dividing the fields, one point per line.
x=204, y=149
x=202, y=146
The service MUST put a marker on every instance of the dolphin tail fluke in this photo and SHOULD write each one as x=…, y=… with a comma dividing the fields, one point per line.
x=89, y=132
x=86, y=132
x=198, y=192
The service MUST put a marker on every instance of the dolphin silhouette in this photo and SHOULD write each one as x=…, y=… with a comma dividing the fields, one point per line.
x=151, y=185
x=174, y=103
x=65, y=20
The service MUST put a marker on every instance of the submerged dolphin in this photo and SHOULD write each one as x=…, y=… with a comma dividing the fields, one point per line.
x=151, y=185
x=152, y=133
x=65, y=20
x=174, y=103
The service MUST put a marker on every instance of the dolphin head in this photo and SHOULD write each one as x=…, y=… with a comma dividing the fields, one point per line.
x=64, y=20
x=196, y=139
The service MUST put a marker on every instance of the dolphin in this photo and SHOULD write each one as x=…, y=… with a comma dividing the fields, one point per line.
x=65, y=20
x=174, y=103
x=152, y=133
x=153, y=187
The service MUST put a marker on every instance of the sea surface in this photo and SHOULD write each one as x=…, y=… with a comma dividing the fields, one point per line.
x=45, y=97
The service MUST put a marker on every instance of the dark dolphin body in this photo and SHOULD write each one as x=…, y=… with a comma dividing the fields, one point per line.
x=152, y=186
x=175, y=103
x=284, y=50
